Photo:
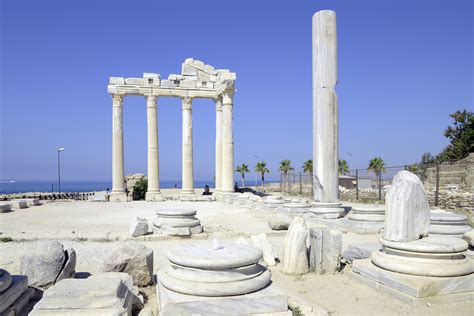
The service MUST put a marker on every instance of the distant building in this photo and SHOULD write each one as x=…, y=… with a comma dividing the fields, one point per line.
x=350, y=182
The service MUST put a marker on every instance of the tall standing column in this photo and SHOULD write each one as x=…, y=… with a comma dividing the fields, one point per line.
x=187, y=191
x=218, y=144
x=118, y=193
x=325, y=116
x=153, y=192
x=227, y=142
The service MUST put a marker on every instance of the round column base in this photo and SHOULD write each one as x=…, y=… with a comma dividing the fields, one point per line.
x=330, y=210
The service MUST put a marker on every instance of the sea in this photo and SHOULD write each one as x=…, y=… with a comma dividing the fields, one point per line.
x=9, y=187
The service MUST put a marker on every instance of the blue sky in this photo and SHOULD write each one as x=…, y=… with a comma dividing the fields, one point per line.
x=403, y=67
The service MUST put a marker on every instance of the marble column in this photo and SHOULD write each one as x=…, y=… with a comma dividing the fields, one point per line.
x=325, y=114
x=218, y=172
x=153, y=192
x=187, y=191
x=118, y=193
x=227, y=142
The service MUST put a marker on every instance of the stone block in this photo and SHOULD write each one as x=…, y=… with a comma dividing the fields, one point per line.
x=134, y=259
x=266, y=301
x=139, y=227
x=5, y=207
x=20, y=303
x=151, y=75
x=168, y=84
x=188, y=70
x=18, y=286
x=189, y=84
x=19, y=204
x=279, y=222
x=407, y=209
x=325, y=251
x=42, y=262
x=102, y=294
x=414, y=289
x=269, y=253
x=360, y=251
x=5, y=280
x=294, y=258
x=69, y=269
x=134, y=81
x=116, y=80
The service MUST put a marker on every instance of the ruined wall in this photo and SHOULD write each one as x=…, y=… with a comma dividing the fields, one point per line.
x=458, y=175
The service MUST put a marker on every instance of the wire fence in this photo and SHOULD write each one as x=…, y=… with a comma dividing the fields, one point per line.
x=369, y=185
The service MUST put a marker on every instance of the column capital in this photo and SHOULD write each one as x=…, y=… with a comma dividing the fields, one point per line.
x=187, y=103
x=151, y=100
x=117, y=99
x=218, y=101
x=227, y=96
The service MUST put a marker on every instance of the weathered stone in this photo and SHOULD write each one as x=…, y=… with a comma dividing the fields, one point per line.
x=469, y=237
x=101, y=294
x=139, y=227
x=360, y=251
x=177, y=222
x=448, y=224
x=69, y=269
x=325, y=252
x=295, y=258
x=5, y=207
x=407, y=209
x=42, y=262
x=134, y=259
x=5, y=280
x=269, y=253
x=279, y=222
x=19, y=204
x=19, y=284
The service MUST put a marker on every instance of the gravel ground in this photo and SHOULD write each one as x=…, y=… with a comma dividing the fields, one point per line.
x=96, y=229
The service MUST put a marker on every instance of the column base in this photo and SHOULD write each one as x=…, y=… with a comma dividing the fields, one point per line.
x=154, y=196
x=327, y=209
x=188, y=196
x=118, y=197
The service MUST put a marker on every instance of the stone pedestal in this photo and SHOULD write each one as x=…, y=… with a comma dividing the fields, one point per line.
x=217, y=279
x=448, y=224
x=365, y=219
x=5, y=207
x=327, y=210
x=14, y=293
x=154, y=196
x=270, y=203
x=118, y=197
x=294, y=208
x=177, y=222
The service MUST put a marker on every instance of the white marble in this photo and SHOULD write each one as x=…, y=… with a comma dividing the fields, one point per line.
x=294, y=257
x=261, y=242
x=448, y=224
x=118, y=193
x=218, y=172
x=139, y=226
x=18, y=285
x=214, y=270
x=5, y=207
x=325, y=108
x=407, y=213
x=153, y=191
x=177, y=222
x=325, y=250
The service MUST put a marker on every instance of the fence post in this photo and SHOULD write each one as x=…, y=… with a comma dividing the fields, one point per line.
x=357, y=184
x=380, y=186
x=281, y=182
x=301, y=188
x=436, y=201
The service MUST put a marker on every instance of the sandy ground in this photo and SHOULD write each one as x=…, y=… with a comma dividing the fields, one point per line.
x=95, y=229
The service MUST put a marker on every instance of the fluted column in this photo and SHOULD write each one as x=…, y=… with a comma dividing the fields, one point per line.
x=218, y=173
x=227, y=142
x=187, y=191
x=118, y=193
x=153, y=192
x=325, y=115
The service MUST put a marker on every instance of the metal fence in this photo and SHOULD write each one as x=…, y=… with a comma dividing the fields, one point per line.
x=367, y=185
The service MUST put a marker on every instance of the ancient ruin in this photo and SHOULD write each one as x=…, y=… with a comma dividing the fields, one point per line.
x=197, y=80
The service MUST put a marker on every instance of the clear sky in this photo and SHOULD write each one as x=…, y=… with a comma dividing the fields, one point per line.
x=403, y=67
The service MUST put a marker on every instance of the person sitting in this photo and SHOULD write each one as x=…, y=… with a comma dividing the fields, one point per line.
x=206, y=190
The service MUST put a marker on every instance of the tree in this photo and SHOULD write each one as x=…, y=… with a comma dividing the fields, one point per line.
x=377, y=166
x=343, y=167
x=285, y=167
x=308, y=166
x=242, y=169
x=427, y=159
x=261, y=168
x=139, y=189
x=461, y=136
x=413, y=168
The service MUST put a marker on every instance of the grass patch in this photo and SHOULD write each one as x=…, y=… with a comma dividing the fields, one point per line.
x=6, y=239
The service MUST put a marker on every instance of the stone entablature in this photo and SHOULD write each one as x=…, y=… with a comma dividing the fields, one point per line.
x=197, y=80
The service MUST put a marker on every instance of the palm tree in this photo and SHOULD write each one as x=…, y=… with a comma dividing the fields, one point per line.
x=308, y=166
x=285, y=167
x=242, y=169
x=377, y=166
x=343, y=167
x=261, y=168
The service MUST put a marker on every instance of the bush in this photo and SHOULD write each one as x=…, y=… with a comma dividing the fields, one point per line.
x=139, y=190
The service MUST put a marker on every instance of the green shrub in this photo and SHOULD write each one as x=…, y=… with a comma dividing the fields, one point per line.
x=139, y=190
